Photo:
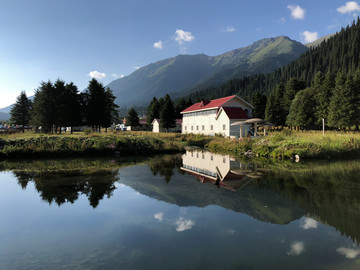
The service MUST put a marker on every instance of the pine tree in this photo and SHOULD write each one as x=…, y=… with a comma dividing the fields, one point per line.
x=258, y=101
x=167, y=113
x=132, y=118
x=44, y=107
x=153, y=111
x=20, y=111
x=343, y=108
x=301, y=113
x=322, y=87
x=98, y=105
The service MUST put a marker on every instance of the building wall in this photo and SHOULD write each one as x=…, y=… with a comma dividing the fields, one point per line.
x=205, y=122
x=207, y=163
x=156, y=126
x=199, y=122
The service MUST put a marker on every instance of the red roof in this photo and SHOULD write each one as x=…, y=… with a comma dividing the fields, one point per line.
x=235, y=113
x=208, y=104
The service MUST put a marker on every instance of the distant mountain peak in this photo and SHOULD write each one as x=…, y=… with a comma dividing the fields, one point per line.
x=183, y=72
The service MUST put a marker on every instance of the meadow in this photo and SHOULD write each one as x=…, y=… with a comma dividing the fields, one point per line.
x=282, y=145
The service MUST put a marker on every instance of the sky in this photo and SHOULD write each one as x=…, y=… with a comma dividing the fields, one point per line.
x=77, y=40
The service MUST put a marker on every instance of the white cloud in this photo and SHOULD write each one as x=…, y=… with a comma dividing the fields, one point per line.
x=183, y=224
x=297, y=13
x=282, y=20
x=158, y=45
x=136, y=67
x=349, y=7
x=114, y=75
x=183, y=36
x=122, y=75
x=309, y=36
x=229, y=29
x=296, y=249
x=348, y=252
x=309, y=223
x=159, y=216
x=96, y=74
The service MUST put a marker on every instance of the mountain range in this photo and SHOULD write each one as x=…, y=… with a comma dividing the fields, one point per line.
x=184, y=74
x=187, y=73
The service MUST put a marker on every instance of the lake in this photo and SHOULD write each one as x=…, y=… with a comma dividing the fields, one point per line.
x=193, y=211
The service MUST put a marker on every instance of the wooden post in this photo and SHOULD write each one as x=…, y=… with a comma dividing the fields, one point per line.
x=323, y=121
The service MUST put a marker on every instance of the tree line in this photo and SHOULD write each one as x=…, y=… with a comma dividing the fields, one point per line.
x=340, y=52
x=60, y=104
x=336, y=99
x=164, y=109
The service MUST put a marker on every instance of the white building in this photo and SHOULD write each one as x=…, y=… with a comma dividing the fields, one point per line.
x=216, y=116
x=217, y=169
x=156, y=126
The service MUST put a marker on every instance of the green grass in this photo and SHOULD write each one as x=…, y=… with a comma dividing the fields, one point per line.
x=283, y=145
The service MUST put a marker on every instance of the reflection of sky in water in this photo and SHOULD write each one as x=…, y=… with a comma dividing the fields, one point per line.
x=131, y=230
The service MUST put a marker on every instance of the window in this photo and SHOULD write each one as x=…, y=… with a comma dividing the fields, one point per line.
x=203, y=127
x=185, y=127
x=203, y=156
x=212, y=157
x=192, y=128
x=224, y=160
x=197, y=127
x=224, y=127
x=211, y=127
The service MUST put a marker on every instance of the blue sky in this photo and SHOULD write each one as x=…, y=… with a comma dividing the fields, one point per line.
x=75, y=40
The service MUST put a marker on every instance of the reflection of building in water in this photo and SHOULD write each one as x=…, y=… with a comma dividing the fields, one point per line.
x=221, y=170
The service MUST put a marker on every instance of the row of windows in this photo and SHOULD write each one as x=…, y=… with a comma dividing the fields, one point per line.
x=207, y=112
x=202, y=127
x=203, y=156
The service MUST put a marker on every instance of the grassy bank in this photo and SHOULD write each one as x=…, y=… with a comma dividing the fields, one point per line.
x=284, y=145
x=97, y=144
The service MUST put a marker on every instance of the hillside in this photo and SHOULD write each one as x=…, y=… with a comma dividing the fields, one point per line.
x=339, y=52
x=183, y=72
x=4, y=116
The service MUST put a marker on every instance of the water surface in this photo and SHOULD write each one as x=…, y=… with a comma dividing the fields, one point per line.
x=196, y=211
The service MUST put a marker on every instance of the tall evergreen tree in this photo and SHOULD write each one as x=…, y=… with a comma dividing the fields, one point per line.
x=274, y=112
x=322, y=86
x=343, y=108
x=68, y=105
x=20, y=111
x=99, y=107
x=167, y=113
x=132, y=118
x=44, y=107
x=258, y=101
x=182, y=104
x=153, y=111
x=292, y=87
x=301, y=113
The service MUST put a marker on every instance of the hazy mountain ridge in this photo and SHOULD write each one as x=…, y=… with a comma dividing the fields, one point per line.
x=188, y=72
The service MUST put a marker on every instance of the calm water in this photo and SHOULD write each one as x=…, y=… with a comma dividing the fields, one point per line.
x=196, y=211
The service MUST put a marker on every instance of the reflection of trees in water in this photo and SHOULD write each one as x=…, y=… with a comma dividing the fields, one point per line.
x=165, y=165
x=23, y=179
x=61, y=188
x=330, y=193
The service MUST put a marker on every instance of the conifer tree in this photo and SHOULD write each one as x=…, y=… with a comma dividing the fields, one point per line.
x=132, y=118
x=20, y=111
x=44, y=107
x=258, y=101
x=301, y=113
x=343, y=105
x=167, y=113
x=322, y=87
x=153, y=111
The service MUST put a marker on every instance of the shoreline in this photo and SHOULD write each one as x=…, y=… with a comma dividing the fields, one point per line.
x=277, y=145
